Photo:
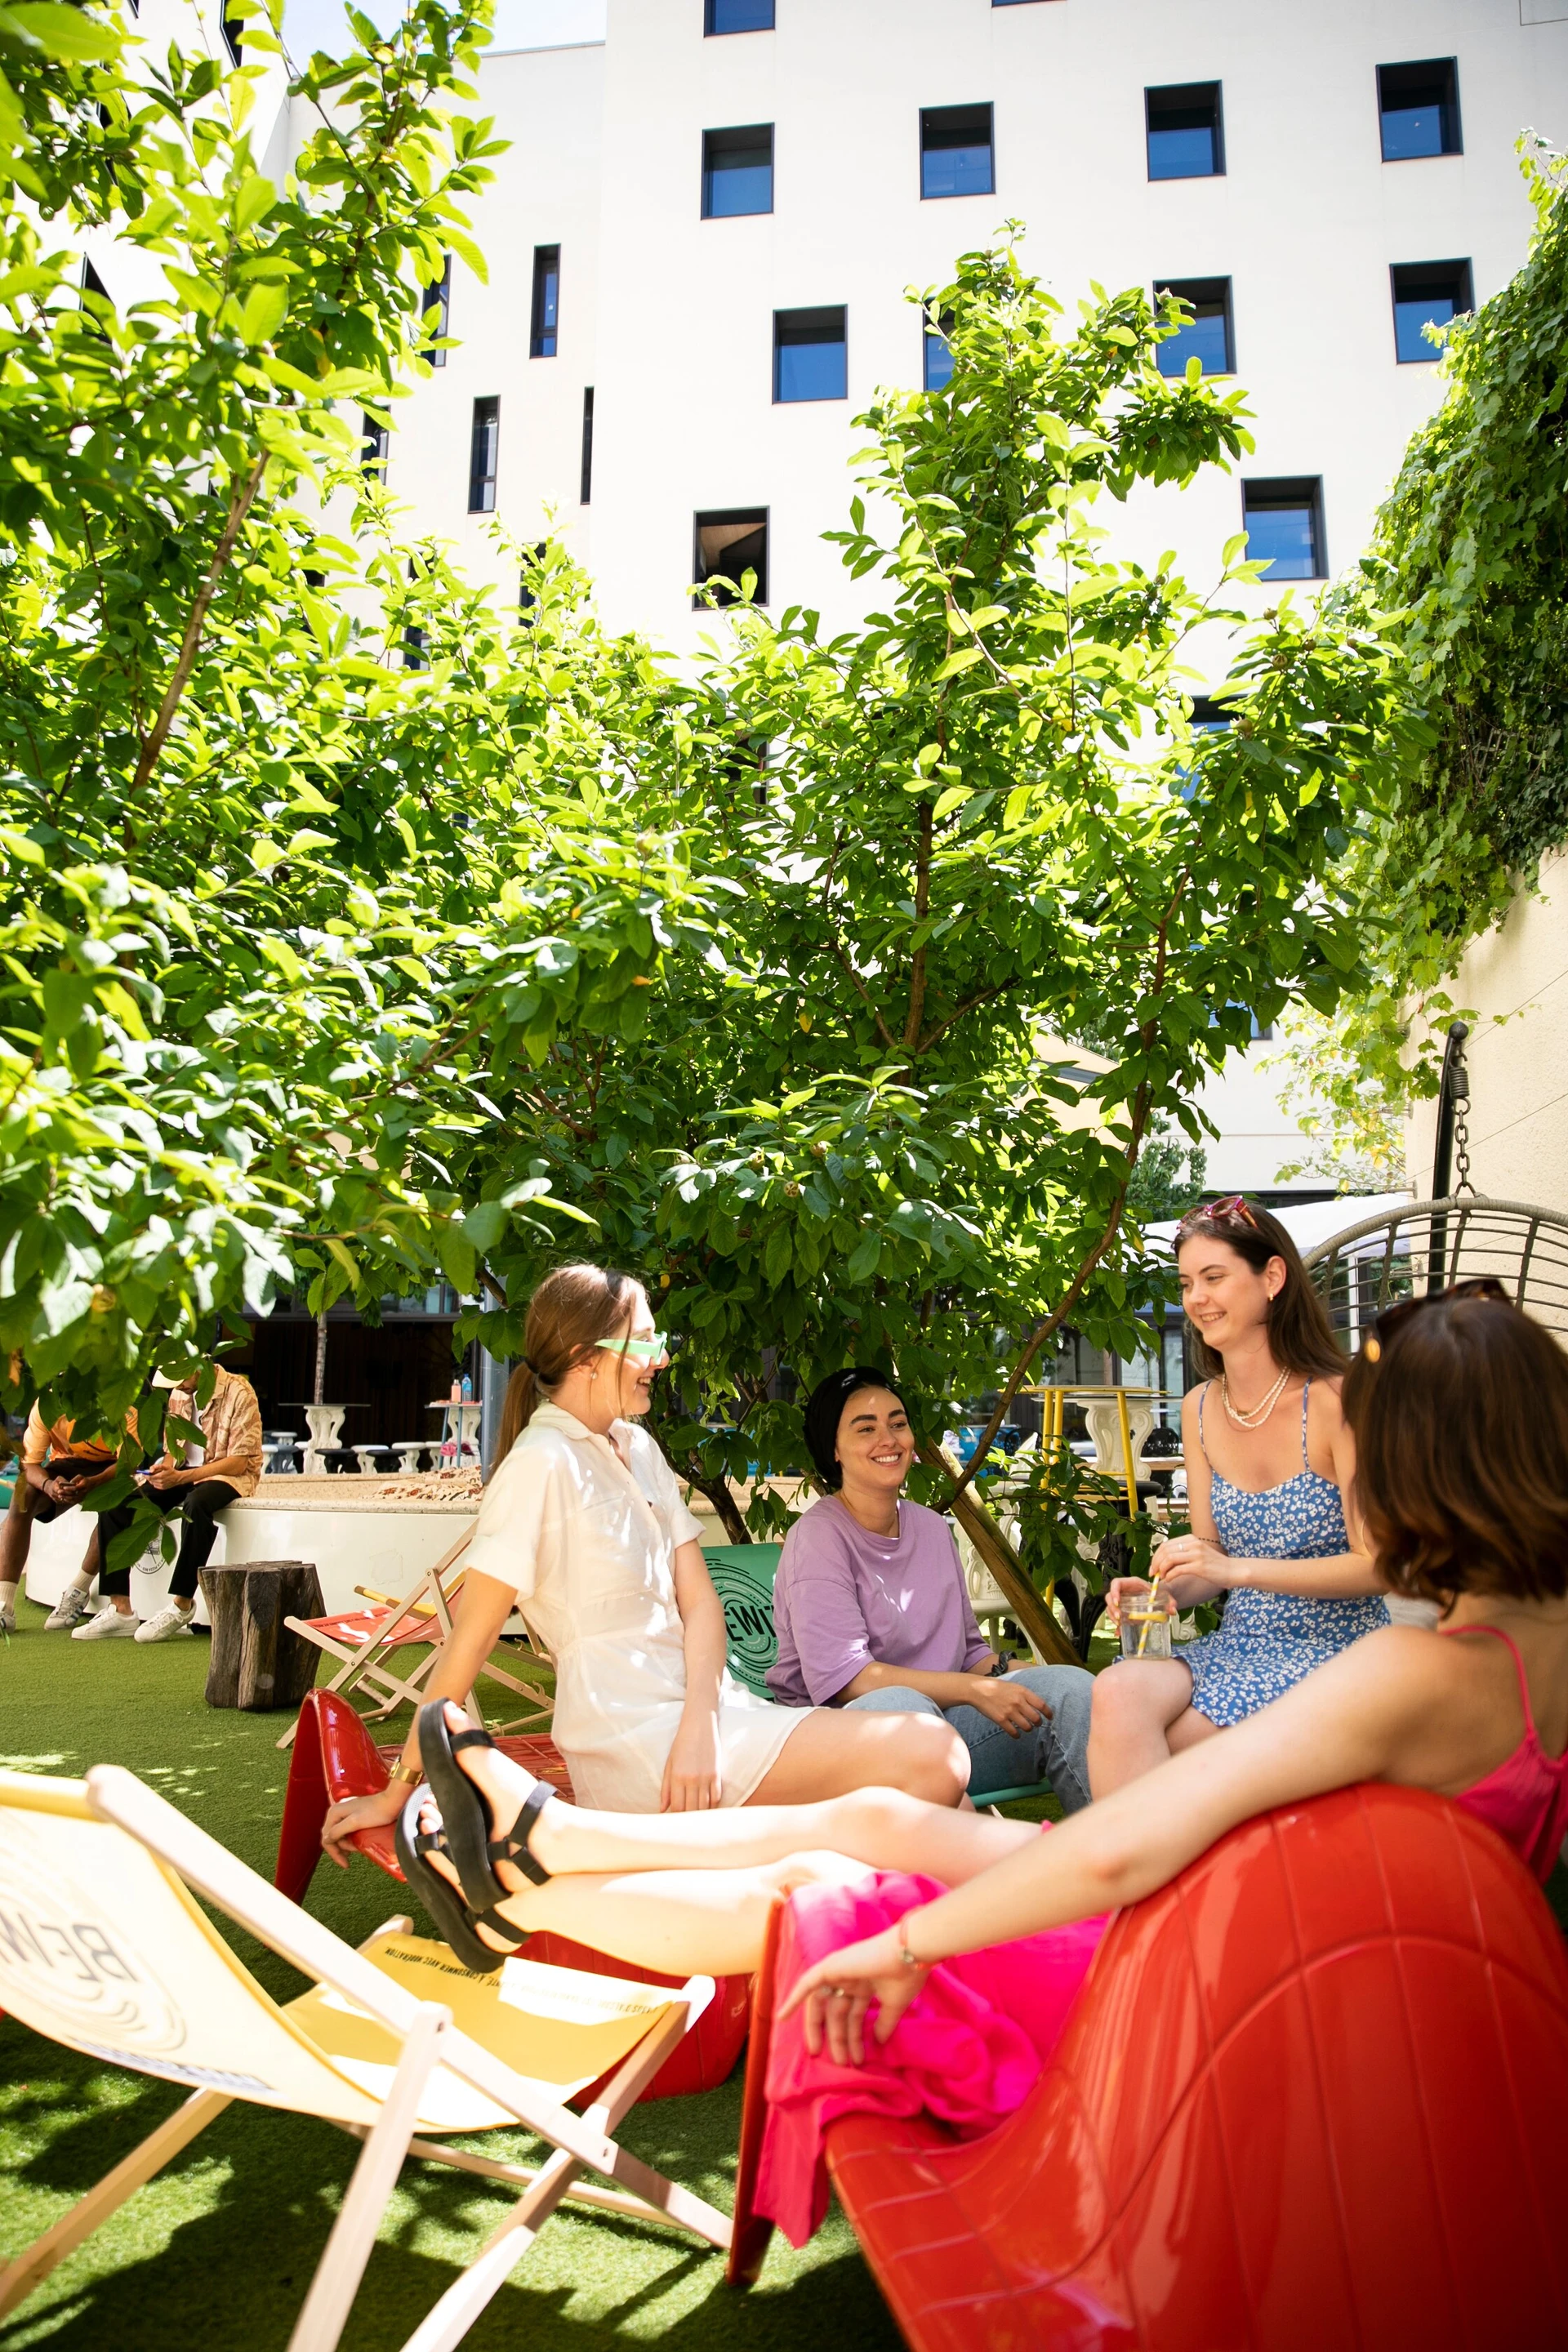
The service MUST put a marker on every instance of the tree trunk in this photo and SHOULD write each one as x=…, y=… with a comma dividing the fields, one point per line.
x=719, y=1492
x=319, y=1395
x=1027, y=1606
x=257, y=1664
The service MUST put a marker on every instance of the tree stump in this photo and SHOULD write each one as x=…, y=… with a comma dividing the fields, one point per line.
x=257, y=1663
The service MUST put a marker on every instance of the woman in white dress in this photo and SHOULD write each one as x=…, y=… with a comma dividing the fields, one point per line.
x=584, y=1529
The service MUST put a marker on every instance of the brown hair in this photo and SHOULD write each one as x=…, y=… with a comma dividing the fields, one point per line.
x=1301, y=1336
x=1460, y=1419
x=572, y=1310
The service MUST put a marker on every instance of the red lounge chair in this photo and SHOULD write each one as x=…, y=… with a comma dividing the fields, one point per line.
x=334, y=1756
x=371, y=1645
x=1296, y=2085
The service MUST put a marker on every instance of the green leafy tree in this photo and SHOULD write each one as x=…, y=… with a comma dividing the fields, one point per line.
x=1469, y=557
x=980, y=820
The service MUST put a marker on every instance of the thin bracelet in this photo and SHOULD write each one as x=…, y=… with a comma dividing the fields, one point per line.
x=905, y=1954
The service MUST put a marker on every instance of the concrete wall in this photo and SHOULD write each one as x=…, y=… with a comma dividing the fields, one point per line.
x=1516, y=978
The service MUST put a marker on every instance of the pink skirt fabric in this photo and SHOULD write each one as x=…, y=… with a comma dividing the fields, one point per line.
x=968, y=2050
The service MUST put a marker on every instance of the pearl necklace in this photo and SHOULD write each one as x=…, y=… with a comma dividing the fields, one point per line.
x=1256, y=1415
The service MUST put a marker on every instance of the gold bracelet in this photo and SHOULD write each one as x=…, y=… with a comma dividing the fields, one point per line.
x=905, y=1954
x=410, y=1773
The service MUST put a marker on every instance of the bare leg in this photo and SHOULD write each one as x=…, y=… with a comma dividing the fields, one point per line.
x=834, y=1752
x=882, y=1828
x=1143, y=1715
x=15, y=1536
x=674, y=1921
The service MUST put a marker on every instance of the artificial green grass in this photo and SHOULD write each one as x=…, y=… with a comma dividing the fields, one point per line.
x=217, y=2251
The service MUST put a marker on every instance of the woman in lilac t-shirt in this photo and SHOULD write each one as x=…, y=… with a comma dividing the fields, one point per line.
x=871, y=1610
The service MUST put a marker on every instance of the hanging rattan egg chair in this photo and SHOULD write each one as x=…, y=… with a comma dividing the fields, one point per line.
x=1425, y=1246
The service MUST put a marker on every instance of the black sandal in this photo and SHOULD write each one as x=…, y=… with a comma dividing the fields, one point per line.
x=451, y=1915
x=466, y=1812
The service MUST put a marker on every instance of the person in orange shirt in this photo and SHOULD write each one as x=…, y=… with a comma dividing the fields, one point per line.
x=56, y=1472
x=197, y=1480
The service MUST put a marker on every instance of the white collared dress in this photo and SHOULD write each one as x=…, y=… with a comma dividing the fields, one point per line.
x=586, y=1537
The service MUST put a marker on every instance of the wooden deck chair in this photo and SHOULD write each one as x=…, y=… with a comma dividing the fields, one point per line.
x=369, y=1644
x=103, y=1948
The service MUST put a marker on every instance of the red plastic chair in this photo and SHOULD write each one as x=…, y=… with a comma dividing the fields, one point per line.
x=1314, y=2096
x=333, y=1756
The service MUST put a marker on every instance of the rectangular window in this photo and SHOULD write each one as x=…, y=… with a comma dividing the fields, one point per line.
x=372, y=445
x=810, y=359
x=957, y=153
x=586, y=485
x=436, y=309
x=1284, y=525
x=738, y=171
x=415, y=655
x=1426, y=293
x=233, y=35
x=1208, y=336
x=737, y=17
x=527, y=593
x=546, y=301
x=1419, y=109
x=483, y=453
x=728, y=545
x=1185, y=130
x=938, y=355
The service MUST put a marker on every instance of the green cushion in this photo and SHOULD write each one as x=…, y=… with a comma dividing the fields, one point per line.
x=743, y=1579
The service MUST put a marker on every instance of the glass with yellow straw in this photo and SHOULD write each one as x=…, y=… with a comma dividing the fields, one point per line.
x=1146, y=1622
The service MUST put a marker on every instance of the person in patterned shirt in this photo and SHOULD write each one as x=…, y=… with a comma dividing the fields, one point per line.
x=198, y=1479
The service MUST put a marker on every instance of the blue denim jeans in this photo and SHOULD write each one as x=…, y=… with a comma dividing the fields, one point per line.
x=1054, y=1754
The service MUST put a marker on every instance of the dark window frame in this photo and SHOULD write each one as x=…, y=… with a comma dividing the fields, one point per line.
x=794, y=337
x=527, y=602
x=482, y=485
x=436, y=298
x=951, y=118
x=933, y=337
x=713, y=31
x=1188, y=90
x=585, y=477
x=1218, y=292
x=708, y=518
x=1461, y=276
x=544, y=313
x=1283, y=494
x=1452, y=126
x=735, y=132
x=233, y=31
x=375, y=445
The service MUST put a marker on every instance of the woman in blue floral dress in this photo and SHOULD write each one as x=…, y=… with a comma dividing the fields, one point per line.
x=1269, y=1466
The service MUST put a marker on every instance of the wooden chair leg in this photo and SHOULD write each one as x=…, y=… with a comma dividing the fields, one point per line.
x=159, y=2148
x=341, y=2266
x=751, y=2234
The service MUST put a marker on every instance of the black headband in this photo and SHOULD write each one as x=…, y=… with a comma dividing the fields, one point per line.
x=825, y=1411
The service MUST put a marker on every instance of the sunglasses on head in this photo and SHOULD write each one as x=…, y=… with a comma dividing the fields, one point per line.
x=1386, y=1325
x=1232, y=1210
x=638, y=1351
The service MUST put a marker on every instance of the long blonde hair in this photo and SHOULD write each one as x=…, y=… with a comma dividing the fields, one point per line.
x=572, y=1310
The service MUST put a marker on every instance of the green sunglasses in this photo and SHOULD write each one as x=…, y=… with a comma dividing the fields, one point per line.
x=638, y=1351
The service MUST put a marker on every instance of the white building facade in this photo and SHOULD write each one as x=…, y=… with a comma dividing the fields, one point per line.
x=708, y=204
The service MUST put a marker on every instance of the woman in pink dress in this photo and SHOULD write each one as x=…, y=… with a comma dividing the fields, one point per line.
x=961, y=1939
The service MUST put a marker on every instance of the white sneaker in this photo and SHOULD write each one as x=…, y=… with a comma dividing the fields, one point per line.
x=7, y=1621
x=110, y=1623
x=69, y=1610
x=170, y=1622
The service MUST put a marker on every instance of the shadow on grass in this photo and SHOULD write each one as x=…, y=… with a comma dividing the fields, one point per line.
x=219, y=2249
